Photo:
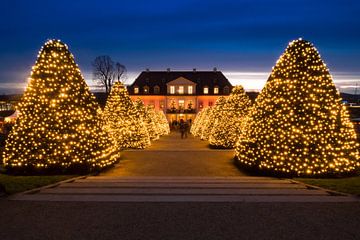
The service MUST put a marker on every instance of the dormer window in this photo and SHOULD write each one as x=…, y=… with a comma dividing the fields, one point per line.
x=136, y=90
x=156, y=90
x=172, y=89
x=146, y=90
x=216, y=90
x=206, y=90
x=226, y=90
x=181, y=89
x=190, y=90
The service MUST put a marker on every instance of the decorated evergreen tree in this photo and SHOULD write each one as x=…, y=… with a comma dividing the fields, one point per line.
x=152, y=122
x=162, y=122
x=123, y=121
x=196, y=128
x=148, y=119
x=213, y=115
x=228, y=126
x=58, y=128
x=299, y=125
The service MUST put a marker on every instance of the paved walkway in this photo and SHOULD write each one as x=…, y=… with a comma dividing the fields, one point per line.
x=173, y=156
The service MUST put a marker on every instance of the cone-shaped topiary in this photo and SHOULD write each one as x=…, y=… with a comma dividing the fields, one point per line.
x=162, y=123
x=123, y=121
x=213, y=115
x=196, y=128
x=148, y=118
x=228, y=126
x=58, y=128
x=298, y=125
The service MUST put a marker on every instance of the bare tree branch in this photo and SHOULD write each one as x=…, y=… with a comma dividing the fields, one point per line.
x=103, y=72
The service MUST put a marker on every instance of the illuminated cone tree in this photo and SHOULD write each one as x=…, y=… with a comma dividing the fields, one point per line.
x=123, y=121
x=148, y=119
x=162, y=123
x=58, y=128
x=228, y=126
x=298, y=125
x=200, y=118
x=214, y=114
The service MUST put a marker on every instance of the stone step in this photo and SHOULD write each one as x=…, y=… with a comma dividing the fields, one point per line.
x=179, y=185
x=180, y=191
x=182, y=198
x=230, y=181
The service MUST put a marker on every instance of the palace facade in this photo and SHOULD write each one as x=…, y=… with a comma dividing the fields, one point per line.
x=180, y=94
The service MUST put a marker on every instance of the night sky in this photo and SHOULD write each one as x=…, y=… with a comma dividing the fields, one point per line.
x=241, y=38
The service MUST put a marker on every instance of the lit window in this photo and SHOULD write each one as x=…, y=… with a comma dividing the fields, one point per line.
x=172, y=89
x=181, y=104
x=136, y=90
x=206, y=90
x=181, y=89
x=190, y=89
x=216, y=90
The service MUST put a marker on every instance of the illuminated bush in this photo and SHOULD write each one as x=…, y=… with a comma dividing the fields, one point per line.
x=298, y=125
x=148, y=116
x=214, y=114
x=228, y=126
x=123, y=121
x=58, y=128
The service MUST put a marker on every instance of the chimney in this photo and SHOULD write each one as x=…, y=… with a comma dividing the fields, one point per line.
x=194, y=70
x=215, y=69
x=168, y=69
x=147, y=70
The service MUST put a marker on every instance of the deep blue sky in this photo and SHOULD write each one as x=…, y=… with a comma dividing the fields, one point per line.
x=242, y=38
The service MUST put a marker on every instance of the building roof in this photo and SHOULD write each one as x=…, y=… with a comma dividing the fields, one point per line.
x=161, y=78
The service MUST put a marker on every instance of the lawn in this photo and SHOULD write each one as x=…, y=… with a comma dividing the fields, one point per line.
x=346, y=185
x=15, y=184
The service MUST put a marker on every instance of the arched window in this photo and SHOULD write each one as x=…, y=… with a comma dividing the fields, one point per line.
x=146, y=90
x=156, y=89
x=226, y=90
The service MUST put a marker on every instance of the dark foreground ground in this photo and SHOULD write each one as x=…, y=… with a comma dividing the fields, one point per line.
x=93, y=220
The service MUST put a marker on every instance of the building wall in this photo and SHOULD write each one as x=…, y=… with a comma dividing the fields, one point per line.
x=164, y=103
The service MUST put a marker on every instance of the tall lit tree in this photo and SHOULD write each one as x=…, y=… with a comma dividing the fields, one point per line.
x=148, y=118
x=58, y=128
x=213, y=115
x=299, y=125
x=228, y=126
x=123, y=121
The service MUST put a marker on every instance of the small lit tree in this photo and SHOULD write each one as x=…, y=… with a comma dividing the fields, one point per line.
x=196, y=128
x=148, y=118
x=299, y=125
x=162, y=122
x=215, y=113
x=123, y=121
x=228, y=126
x=58, y=128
